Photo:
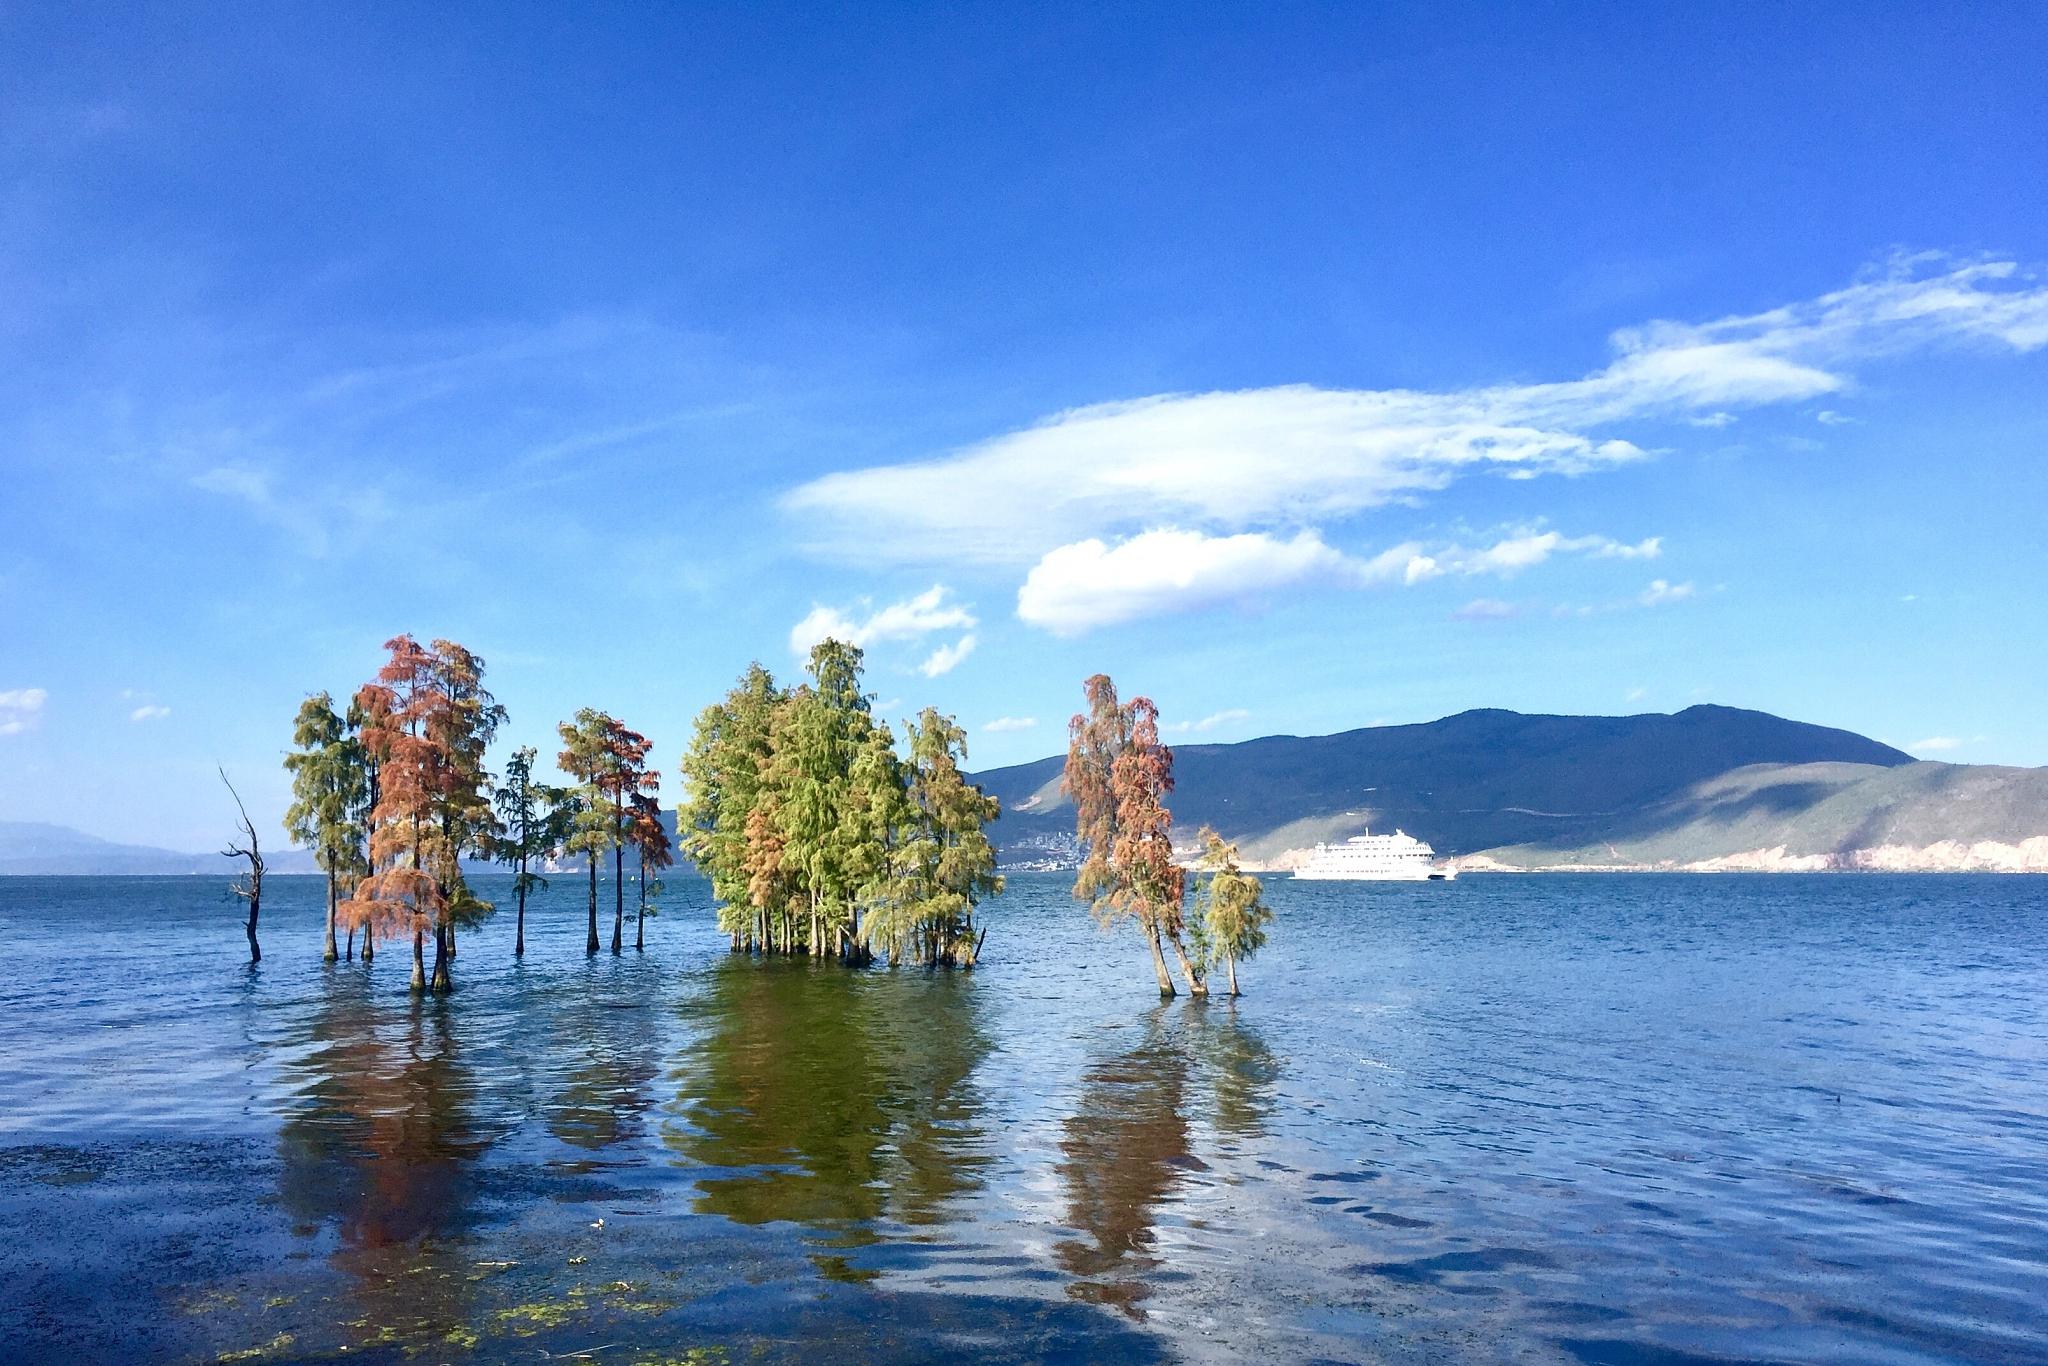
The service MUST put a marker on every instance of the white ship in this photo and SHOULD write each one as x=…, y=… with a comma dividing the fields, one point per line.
x=1398, y=857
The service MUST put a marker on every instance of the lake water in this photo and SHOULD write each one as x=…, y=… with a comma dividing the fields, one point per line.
x=1600, y=1119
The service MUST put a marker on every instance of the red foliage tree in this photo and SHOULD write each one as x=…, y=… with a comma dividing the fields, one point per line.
x=402, y=711
x=1118, y=774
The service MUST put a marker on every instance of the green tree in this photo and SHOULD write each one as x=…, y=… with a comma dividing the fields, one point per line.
x=534, y=819
x=1231, y=914
x=820, y=837
x=827, y=723
x=611, y=763
x=583, y=759
x=722, y=776
x=330, y=798
x=939, y=862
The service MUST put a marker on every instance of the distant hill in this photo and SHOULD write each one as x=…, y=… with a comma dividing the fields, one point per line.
x=1708, y=782
x=1791, y=816
x=30, y=847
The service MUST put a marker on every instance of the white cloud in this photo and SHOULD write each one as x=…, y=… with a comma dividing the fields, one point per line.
x=1635, y=694
x=908, y=619
x=1003, y=724
x=1202, y=726
x=1485, y=609
x=947, y=657
x=20, y=709
x=149, y=712
x=1092, y=583
x=1528, y=549
x=1660, y=592
x=1711, y=420
x=1936, y=744
x=1829, y=418
x=1294, y=456
x=1089, y=584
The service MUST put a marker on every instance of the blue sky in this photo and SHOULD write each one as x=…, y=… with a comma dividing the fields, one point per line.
x=1303, y=367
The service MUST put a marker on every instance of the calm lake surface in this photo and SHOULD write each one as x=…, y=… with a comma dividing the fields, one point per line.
x=1600, y=1119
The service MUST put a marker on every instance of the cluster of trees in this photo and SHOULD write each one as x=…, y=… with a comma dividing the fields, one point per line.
x=819, y=835
x=1118, y=774
x=821, y=838
x=392, y=793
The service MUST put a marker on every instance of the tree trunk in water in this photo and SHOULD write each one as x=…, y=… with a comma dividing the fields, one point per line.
x=1196, y=986
x=255, y=949
x=1231, y=963
x=619, y=899
x=1159, y=961
x=327, y=953
x=352, y=944
x=369, y=943
x=590, y=947
x=444, y=951
x=640, y=918
x=519, y=936
x=419, y=962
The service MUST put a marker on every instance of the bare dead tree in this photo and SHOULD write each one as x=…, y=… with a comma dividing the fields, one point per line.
x=248, y=887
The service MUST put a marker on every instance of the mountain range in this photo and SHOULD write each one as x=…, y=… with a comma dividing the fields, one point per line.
x=1708, y=787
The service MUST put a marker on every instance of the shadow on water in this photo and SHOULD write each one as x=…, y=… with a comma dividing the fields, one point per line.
x=1129, y=1145
x=839, y=1101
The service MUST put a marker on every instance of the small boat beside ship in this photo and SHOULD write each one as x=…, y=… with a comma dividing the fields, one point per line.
x=1399, y=857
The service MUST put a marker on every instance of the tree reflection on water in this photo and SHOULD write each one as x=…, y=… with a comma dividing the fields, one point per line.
x=383, y=1146
x=1129, y=1145
x=840, y=1101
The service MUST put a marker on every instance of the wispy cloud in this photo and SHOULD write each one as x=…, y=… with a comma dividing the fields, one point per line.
x=947, y=657
x=149, y=712
x=1936, y=744
x=1229, y=716
x=1092, y=583
x=863, y=625
x=311, y=517
x=1004, y=724
x=21, y=709
x=1485, y=609
x=1524, y=550
x=1661, y=591
x=1296, y=456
